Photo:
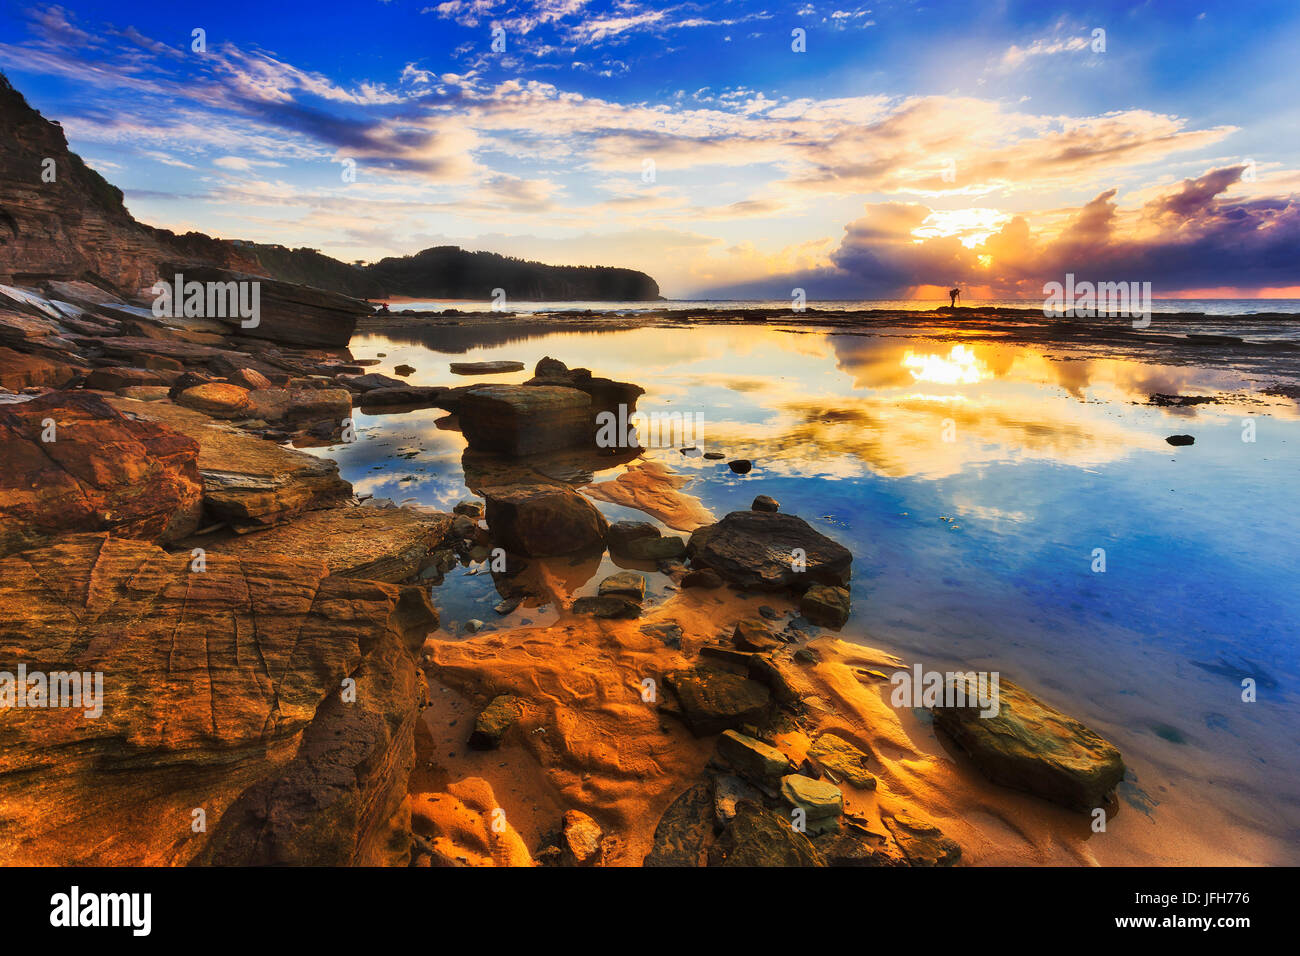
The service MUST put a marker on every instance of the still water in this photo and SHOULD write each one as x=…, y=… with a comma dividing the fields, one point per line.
x=980, y=487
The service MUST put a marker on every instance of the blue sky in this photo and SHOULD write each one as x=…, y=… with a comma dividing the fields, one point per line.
x=910, y=146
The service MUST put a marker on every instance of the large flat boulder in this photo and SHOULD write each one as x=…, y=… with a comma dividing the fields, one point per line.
x=290, y=314
x=770, y=551
x=19, y=370
x=101, y=471
x=543, y=519
x=224, y=690
x=380, y=544
x=247, y=481
x=523, y=420
x=1030, y=746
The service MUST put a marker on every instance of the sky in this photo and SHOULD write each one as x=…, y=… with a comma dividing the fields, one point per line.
x=874, y=150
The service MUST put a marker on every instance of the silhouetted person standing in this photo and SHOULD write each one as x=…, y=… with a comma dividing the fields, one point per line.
x=952, y=294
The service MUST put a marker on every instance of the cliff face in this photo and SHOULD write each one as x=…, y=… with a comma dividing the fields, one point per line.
x=448, y=272
x=76, y=227
x=72, y=228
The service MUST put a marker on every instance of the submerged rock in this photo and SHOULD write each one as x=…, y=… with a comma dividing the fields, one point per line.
x=825, y=606
x=543, y=519
x=607, y=606
x=525, y=420
x=1029, y=746
x=484, y=368
x=770, y=551
x=626, y=584
x=752, y=634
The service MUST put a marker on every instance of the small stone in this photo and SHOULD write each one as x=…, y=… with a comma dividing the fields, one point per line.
x=404, y=369
x=473, y=625
x=765, y=503
x=627, y=584
x=702, y=578
x=740, y=466
x=825, y=605
x=753, y=758
x=841, y=758
x=496, y=718
x=753, y=635
x=1181, y=440
x=581, y=838
x=817, y=798
x=606, y=606
x=622, y=533
x=714, y=455
x=655, y=549
x=670, y=632
x=806, y=655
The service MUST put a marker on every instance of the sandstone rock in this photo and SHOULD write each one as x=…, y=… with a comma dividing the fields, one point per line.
x=370, y=381
x=622, y=533
x=627, y=584
x=495, y=719
x=379, y=544
x=728, y=791
x=470, y=509
x=714, y=700
x=922, y=843
x=759, y=837
x=581, y=836
x=765, y=503
x=841, y=758
x=682, y=835
x=249, y=378
x=289, y=314
x=854, y=845
x=404, y=398
x=758, y=549
x=218, y=399
x=655, y=549
x=485, y=368
x=111, y=379
x=212, y=683
x=1029, y=746
x=248, y=482
x=753, y=635
x=540, y=519
x=145, y=393
x=404, y=369
x=825, y=606
x=522, y=420
x=101, y=472
x=818, y=799
x=753, y=758
x=19, y=370
x=702, y=578
x=609, y=606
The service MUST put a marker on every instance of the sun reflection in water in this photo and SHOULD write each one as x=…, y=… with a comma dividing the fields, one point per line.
x=959, y=367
